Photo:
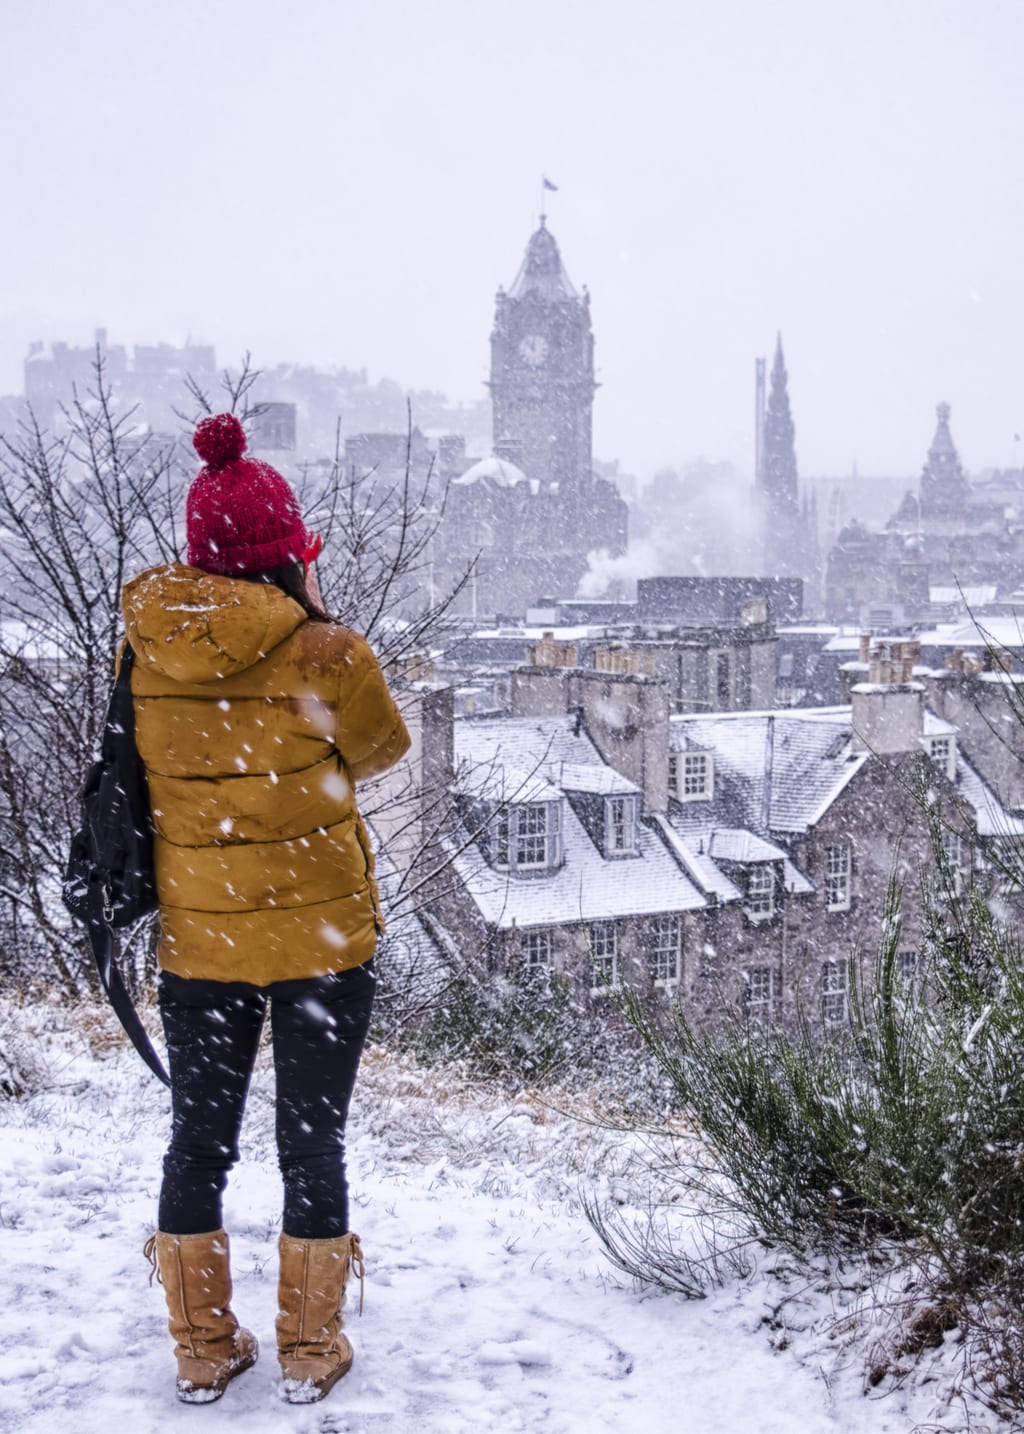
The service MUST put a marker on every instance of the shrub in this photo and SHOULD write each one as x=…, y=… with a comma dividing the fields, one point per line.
x=900, y=1136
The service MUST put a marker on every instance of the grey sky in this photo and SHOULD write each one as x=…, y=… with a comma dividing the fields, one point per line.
x=349, y=182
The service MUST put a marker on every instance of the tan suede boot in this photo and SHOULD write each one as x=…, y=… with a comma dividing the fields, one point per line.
x=210, y=1344
x=313, y=1351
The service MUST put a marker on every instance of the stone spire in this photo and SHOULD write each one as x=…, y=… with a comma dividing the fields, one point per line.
x=542, y=271
x=779, y=472
x=944, y=488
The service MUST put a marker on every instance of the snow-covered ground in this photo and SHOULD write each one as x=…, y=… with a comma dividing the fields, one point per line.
x=490, y=1305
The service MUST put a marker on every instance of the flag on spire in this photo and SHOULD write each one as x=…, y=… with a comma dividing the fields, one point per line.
x=549, y=185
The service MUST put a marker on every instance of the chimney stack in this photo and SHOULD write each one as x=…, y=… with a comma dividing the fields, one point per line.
x=888, y=710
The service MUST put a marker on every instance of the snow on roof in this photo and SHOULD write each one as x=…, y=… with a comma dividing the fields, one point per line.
x=738, y=844
x=795, y=880
x=811, y=764
x=935, y=726
x=540, y=752
x=696, y=862
x=527, y=743
x=989, y=631
x=603, y=780
x=531, y=760
x=502, y=473
x=976, y=596
x=587, y=887
x=505, y=782
x=535, y=634
x=990, y=816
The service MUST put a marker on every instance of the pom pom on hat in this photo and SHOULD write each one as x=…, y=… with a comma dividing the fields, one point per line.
x=241, y=515
x=219, y=440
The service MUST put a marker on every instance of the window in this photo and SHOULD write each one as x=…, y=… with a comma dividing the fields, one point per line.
x=528, y=837
x=908, y=963
x=532, y=835
x=763, y=990
x=698, y=777
x=837, y=877
x=760, y=892
x=743, y=684
x=666, y=950
x=939, y=749
x=620, y=826
x=833, y=992
x=702, y=680
x=502, y=826
x=604, y=954
x=723, y=680
x=673, y=774
x=953, y=855
x=537, y=949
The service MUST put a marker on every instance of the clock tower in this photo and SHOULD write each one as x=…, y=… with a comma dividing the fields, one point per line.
x=542, y=373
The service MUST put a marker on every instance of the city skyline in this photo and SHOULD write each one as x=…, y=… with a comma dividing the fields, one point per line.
x=348, y=190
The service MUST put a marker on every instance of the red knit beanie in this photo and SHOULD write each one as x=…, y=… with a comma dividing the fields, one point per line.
x=241, y=516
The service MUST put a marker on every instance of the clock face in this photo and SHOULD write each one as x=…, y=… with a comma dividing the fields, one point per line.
x=533, y=349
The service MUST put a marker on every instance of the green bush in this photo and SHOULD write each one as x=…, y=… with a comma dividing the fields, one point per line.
x=899, y=1135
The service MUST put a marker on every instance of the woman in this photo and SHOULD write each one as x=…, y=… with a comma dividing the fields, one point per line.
x=256, y=716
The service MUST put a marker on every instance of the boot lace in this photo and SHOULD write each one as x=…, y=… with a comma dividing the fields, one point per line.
x=149, y=1250
x=356, y=1264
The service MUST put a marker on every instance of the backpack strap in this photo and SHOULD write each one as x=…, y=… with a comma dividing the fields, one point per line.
x=101, y=939
x=120, y=720
x=120, y=723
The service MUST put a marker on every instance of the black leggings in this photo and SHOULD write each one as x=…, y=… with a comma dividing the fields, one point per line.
x=213, y=1030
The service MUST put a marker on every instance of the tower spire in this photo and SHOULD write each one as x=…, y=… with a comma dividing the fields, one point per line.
x=779, y=471
x=943, y=484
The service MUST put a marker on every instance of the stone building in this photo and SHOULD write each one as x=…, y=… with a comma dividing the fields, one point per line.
x=948, y=534
x=712, y=857
x=527, y=516
x=152, y=377
x=724, y=667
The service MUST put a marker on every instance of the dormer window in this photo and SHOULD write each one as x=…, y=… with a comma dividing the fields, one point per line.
x=620, y=826
x=691, y=776
x=760, y=903
x=942, y=751
x=528, y=837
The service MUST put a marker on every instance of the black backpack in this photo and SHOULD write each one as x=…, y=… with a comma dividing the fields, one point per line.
x=110, y=881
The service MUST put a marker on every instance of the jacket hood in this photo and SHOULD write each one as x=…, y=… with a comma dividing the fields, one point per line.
x=195, y=626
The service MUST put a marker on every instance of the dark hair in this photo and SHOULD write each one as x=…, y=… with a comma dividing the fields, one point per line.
x=291, y=579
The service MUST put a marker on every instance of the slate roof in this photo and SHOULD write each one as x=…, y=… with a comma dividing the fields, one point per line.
x=588, y=886
x=677, y=869
x=602, y=780
x=733, y=844
x=811, y=764
x=695, y=861
x=991, y=817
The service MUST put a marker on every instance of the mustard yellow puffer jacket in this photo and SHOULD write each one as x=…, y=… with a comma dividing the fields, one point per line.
x=255, y=723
